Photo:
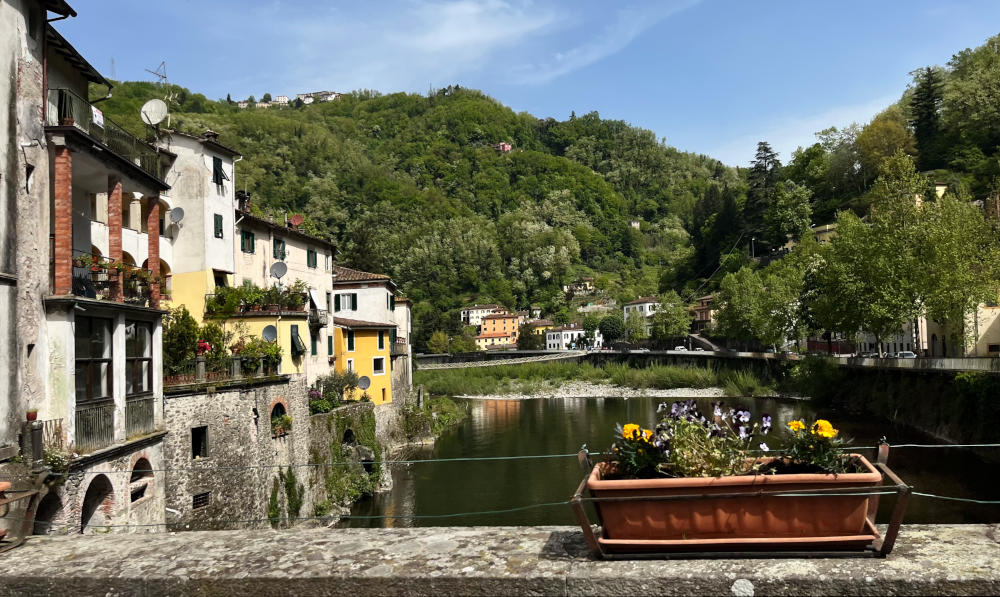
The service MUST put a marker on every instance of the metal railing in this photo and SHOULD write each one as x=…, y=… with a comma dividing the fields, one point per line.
x=139, y=416
x=95, y=277
x=52, y=433
x=66, y=108
x=399, y=348
x=95, y=426
x=198, y=371
x=318, y=317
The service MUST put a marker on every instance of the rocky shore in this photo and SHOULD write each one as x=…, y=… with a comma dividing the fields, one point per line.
x=583, y=389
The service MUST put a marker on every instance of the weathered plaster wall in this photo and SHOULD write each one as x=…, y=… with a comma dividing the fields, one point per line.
x=243, y=457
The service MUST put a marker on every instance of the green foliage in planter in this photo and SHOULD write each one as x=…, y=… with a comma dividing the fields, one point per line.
x=253, y=295
x=282, y=423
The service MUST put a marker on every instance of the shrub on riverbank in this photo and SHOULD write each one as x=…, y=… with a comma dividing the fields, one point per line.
x=534, y=378
x=437, y=415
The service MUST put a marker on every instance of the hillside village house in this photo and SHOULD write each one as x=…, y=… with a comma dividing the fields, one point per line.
x=571, y=337
x=368, y=317
x=81, y=336
x=645, y=306
x=473, y=315
x=580, y=286
x=543, y=325
x=498, y=330
x=304, y=334
x=704, y=313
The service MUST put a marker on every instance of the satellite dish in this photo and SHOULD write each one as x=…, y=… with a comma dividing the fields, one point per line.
x=296, y=220
x=269, y=333
x=364, y=382
x=176, y=215
x=153, y=112
x=279, y=269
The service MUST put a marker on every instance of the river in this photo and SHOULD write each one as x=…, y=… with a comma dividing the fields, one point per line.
x=562, y=425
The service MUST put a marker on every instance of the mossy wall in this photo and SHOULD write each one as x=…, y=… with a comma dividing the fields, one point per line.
x=339, y=479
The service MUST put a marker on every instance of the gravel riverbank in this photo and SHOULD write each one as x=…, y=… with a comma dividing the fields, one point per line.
x=583, y=389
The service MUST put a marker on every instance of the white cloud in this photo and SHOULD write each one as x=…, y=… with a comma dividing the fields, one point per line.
x=629, y=23
x=787, y=134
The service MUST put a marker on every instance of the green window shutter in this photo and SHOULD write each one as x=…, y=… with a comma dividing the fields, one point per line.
x=217, y=174
x=392, y=336
x=243, y=241
x=329, y=345
x=314, y=343
x=350, y=340
x=336, y=303
x=218, y=225
x=381, y=340
x=278, y=251
x=392, y=302
x=354, y=301
x=310, y=258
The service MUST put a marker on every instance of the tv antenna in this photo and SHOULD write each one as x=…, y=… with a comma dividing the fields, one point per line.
x=161, y=75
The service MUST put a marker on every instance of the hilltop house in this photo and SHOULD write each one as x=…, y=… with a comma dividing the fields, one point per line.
x=498, y=330
x=474, y=315
x=645, y=306
x=580, y=286
x=82, y=319
x=570, y=337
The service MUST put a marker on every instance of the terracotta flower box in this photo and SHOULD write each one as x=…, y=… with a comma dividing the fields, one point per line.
x=731, y=522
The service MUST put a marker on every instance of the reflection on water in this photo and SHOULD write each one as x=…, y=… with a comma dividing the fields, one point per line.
x=563, y=425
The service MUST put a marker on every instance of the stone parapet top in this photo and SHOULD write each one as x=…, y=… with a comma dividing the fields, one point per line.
x=928, y=560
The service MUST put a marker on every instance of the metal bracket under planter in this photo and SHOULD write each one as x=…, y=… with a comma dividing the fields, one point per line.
x=871, y=545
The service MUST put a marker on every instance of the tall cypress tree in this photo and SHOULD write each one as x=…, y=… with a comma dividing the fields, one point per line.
x=762, y=179
x=925, y=107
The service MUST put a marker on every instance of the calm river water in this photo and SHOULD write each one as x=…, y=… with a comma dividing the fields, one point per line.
x=562, y=425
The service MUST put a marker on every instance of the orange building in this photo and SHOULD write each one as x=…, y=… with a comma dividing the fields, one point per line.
x=500, y=323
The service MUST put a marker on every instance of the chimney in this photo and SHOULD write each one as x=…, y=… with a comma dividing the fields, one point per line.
x=210, y=135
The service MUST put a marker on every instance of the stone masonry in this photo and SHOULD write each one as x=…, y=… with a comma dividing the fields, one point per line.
x=928, y=560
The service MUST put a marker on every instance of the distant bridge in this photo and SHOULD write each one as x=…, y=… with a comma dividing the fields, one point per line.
x=517, y=357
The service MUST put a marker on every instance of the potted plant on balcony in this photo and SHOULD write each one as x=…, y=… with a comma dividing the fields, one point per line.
x=280, y=425
x=689, y=454
x=253, y=297
x=295, y=296
x=272, y=298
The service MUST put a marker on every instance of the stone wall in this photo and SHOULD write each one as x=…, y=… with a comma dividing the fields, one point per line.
x=340, y=441
x=121, y=489
x=242, y=458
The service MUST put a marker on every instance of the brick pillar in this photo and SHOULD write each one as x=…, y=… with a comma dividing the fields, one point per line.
x=63, y=215
x=153, y=232
x=115, y=232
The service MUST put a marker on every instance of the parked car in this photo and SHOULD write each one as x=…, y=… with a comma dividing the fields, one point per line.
x=680, y=348
x=906, y=354
x=699, y=349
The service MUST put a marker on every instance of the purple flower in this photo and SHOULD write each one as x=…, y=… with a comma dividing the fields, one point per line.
x=764, y=447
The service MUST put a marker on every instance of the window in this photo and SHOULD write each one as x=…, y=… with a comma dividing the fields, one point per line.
x=327, y=262
x=138, y=358
x=347, y=302
x=311, y=258
x=218, y=175
x=220, y=279
x=278, y=250
x=336, y=303
x=328, y=300
x=993, y=348
x=354, y=301
x=350, y=340
x=218, y=225
x=246, y=241
x=350, y=364
x=200, y=500
x=199, y=442
x=381, y=340
x=329, y=345
x=314, y=341
x=94, y=378
x=378, y=366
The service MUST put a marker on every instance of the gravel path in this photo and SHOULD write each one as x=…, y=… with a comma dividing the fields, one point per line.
x=583, y=389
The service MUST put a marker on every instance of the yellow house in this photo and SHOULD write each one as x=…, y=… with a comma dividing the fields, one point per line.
x=542, y=326
x=365, y=348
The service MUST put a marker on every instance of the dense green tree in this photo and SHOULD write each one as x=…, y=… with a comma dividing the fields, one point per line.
x=464, y=341
x=266, y=97
x=438, y=343
x=612, y=328
x=788, y=216
x=527, y=339
x=925, y=110
x=672, y=319
x=762, y=178
x=635, y=327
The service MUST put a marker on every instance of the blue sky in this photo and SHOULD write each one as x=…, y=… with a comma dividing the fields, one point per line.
x=710, y=76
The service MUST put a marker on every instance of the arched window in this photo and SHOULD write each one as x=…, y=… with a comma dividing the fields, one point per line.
x=98, y=504
x=140, y=480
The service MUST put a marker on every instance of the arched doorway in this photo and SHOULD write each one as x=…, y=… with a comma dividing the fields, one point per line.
x=140, y=480
x=50, y=507
x=98, y=505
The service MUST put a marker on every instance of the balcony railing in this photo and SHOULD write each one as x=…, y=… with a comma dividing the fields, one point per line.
x=200, y=371
x=138, y=416
x=399, y=347
x=95, y=426
x=95, y=277
x=318, y=317
x=69, y=109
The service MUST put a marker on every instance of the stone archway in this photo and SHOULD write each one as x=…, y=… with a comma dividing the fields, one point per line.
x=48, y=509
x=98, y=505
